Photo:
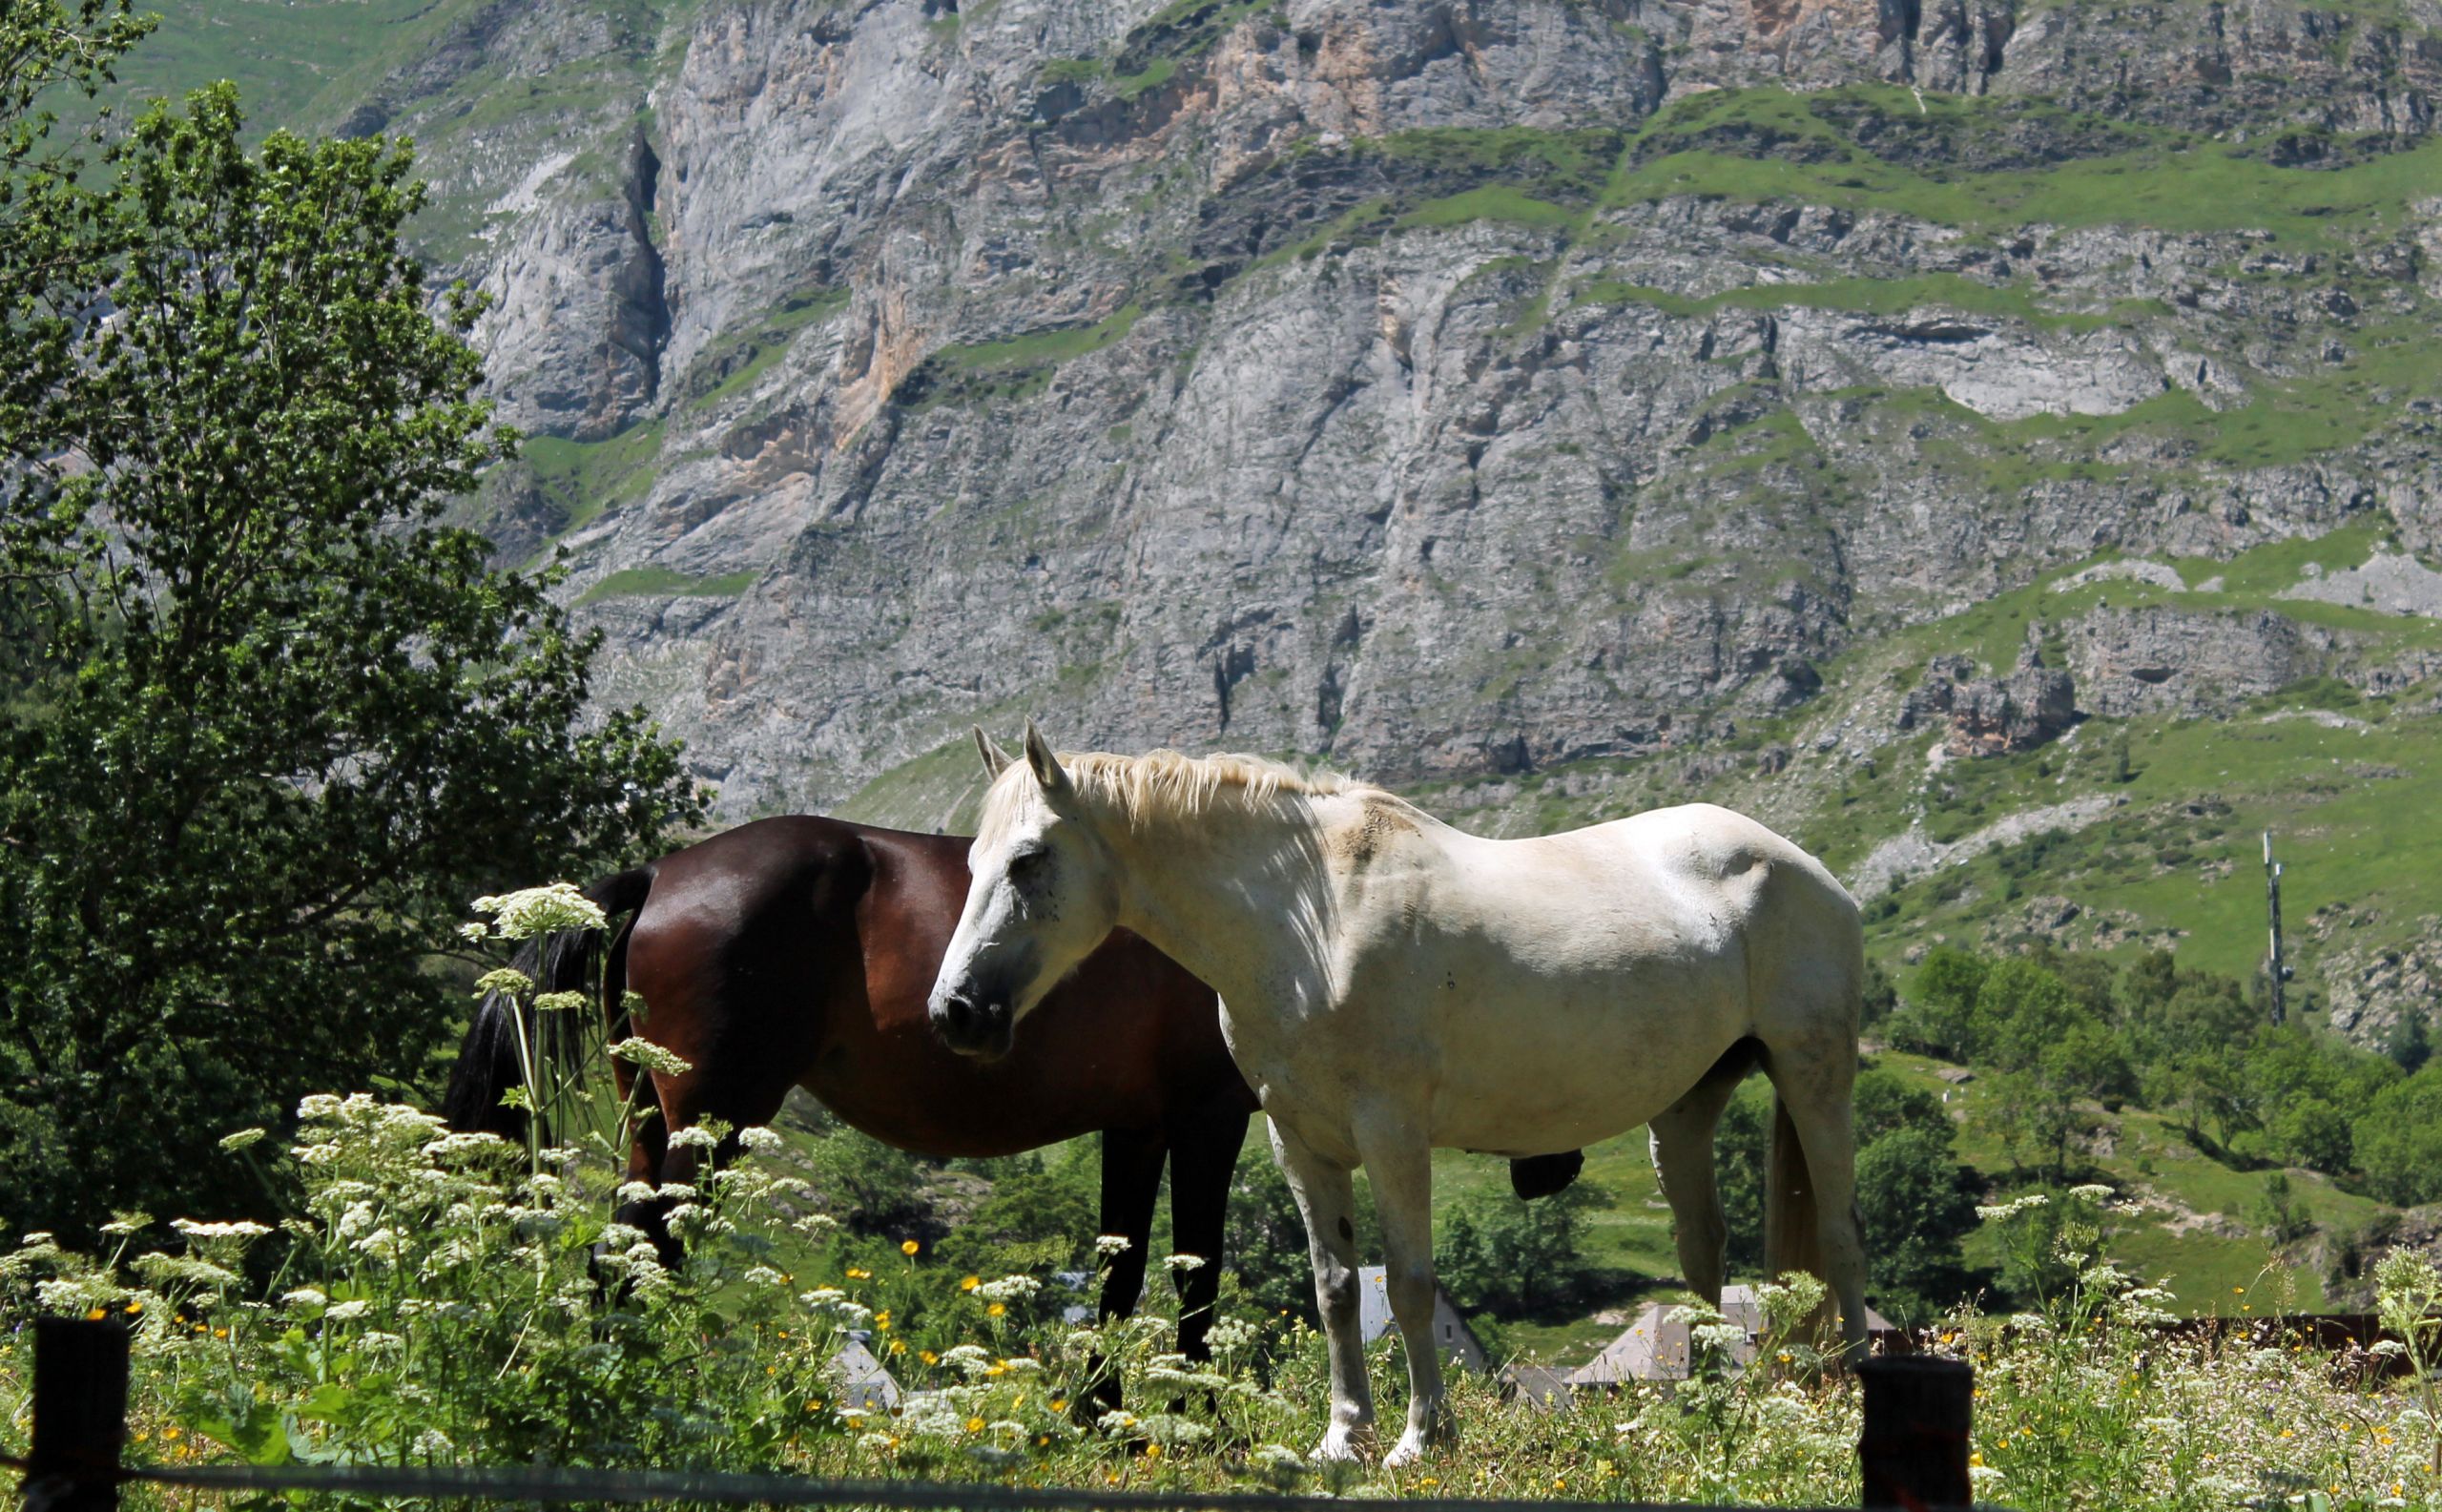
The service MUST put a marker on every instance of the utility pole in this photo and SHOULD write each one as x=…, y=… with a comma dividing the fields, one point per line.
x=2272, y=904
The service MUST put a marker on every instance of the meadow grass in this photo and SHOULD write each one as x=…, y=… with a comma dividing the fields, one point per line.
x=436, y=1302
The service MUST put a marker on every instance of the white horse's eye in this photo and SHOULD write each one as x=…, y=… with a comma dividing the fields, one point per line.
x=1027, y=862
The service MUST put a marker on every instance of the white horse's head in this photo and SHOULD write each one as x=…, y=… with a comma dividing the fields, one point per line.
x=1043, y=892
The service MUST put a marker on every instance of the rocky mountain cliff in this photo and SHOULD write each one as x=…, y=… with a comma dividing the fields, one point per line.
x=1552, y=406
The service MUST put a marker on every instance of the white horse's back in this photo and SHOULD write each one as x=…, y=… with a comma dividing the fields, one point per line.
x=1570, y=986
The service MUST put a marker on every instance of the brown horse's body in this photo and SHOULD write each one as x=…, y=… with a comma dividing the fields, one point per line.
x=797, y=952
x=800, y=951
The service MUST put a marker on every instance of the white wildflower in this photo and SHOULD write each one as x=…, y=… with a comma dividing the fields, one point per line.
x=1184, y=1262
x=694, y=1138
x=1009, y=1289
x=532, y=911
x=1111, y=1244
x=759, y=1141
x=2012, y=1207
x=233, y=1143
x=560, y=1002
x=652, y=1057
x=208, y=1231
x=343, y=1311
x=507, y=980
x=305, y=1297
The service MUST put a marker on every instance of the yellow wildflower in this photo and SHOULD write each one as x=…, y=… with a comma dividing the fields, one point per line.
x=909, y=1247
x=970, y=1283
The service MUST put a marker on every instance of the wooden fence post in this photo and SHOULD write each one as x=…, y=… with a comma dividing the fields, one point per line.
x=80, y=1414
x=1914, y=1447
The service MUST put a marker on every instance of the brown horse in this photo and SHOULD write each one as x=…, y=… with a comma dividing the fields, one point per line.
x=799, y=952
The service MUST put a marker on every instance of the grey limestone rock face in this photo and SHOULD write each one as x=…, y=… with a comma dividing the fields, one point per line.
x=1446, y=390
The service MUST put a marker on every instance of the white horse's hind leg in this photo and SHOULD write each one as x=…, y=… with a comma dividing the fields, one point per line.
x=1682, y=1137
x=1327, y=1198
x=1401, y=1166
x=1817, y=1108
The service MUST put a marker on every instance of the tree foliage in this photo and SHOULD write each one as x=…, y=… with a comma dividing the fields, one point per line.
x=268, y=723
x=1508, y=1257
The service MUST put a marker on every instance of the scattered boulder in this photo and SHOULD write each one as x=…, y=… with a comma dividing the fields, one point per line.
x=2032, y=706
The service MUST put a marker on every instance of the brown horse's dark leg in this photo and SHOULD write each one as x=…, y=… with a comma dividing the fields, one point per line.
x=1204, y=1159
x=1131, y=1180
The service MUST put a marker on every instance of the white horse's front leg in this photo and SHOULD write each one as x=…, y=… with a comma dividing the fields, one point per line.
x=1400, y=1164
x=1327, y=1198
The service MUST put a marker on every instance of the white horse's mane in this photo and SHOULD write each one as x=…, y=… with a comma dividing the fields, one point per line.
x=1172, y=784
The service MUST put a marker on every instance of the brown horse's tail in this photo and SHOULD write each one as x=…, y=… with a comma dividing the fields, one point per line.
x=491, y=1063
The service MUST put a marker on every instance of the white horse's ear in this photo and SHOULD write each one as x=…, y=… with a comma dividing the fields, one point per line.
x=1046, y=766
x=995, y=760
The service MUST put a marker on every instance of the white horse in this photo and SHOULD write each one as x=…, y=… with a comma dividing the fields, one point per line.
x=1389, y=984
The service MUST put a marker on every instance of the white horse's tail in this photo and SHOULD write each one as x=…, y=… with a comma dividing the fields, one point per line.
x=1792, y=1240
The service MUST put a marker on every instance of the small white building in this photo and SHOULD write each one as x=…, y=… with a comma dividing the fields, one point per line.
x=1451, y=1335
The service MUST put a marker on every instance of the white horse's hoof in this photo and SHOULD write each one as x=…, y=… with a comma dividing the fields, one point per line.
x=1407, y=1451
x=1339, y=1443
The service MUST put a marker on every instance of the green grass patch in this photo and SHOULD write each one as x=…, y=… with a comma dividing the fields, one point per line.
x=1490, y=202
x=583, y=478
x=661, y=581
x=1801, y=147
x=769, y=340
x=1043, y=348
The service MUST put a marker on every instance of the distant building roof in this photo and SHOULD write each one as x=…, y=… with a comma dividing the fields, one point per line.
x=1451, y=1334
x=1545, y=1386
x=1654, y=1346
x=863, y=1381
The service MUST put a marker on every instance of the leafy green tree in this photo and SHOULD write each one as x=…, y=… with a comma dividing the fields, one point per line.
x=1043, y=1213
x=2412, y=1043
x=1500, y=1254
x=2285, y=1216
x=1918, y=1203
x=1740, y=1141
x=1885, y=1103
x=269, y=724
x=2037, y=1119
x=2399, y=1140
x=1939, y=1016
